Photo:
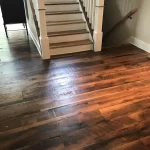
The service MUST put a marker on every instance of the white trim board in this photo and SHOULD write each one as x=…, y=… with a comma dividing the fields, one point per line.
x=140, y=44
x=35, y=41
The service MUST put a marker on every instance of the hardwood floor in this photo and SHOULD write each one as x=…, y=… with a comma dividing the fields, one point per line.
x=88, y=101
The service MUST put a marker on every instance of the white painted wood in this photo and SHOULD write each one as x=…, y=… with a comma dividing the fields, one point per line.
x=140, y=44
x=93, y=13
x=64, y=7
x=98, y=25
x=94, y=10
x=39, y=7
x=60, y=21
x=99, y=3
x=45, y=47
x=72, y=49
x=66, y=27
x=87, y=27
x=64, y=17
x=59, y=1
x=69, y=38
x=36, y=42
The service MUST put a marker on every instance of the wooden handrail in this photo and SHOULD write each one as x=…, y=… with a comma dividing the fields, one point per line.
x=128, y=16
x=35, y=18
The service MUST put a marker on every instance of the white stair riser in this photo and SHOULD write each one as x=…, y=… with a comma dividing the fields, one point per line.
x=72, y=49
x=59, y=1
x=69, y=38
x=64, y=17
x=66, y=27
x=62, y=7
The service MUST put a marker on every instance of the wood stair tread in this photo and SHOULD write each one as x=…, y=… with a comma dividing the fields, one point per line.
x=62, y=12
x=69, y=32
x=65, y=22
x=69, y=44
x=62, y=3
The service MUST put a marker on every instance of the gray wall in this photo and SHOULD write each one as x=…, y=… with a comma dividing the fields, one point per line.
x=114, y=11
x=142, y=30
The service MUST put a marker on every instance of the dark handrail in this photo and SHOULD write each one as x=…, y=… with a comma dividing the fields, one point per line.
x=129, y=15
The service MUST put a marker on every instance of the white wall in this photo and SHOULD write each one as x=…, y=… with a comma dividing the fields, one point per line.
x=141, y=37
x=142, y=30
x=114, y=11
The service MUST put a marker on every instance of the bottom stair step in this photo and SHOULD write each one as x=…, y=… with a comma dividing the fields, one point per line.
x=70, y=47
x=68, y=44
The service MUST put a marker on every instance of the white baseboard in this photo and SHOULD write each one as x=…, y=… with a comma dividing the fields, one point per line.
x=140, y=44
x=35, y=41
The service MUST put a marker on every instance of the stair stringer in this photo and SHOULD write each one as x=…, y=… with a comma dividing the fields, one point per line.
x=87, y=27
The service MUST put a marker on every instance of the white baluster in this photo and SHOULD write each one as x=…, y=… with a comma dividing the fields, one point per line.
x=98, y=25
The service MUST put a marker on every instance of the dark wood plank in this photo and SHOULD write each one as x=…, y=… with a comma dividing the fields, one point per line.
x=83, y=101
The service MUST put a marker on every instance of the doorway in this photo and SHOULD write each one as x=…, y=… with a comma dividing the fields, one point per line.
x=10, y=27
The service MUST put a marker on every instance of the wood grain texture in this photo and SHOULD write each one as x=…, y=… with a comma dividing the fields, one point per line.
x=85, y=101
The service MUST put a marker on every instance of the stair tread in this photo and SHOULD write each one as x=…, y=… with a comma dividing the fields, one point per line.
x=69, y=32
x=63, y=12
x=60, y=3
x=69, y=44
x=65, y=22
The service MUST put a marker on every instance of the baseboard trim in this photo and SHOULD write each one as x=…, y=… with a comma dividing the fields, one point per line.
x=140, y=44
x=35, y=41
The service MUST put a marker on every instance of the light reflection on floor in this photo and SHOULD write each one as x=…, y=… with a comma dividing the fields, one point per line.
x=13, y=37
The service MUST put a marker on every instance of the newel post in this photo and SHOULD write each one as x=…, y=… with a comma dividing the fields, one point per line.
x=98, y=34
x=44, y=40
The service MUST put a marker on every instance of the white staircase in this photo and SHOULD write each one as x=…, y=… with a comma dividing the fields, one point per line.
x=66, y=27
